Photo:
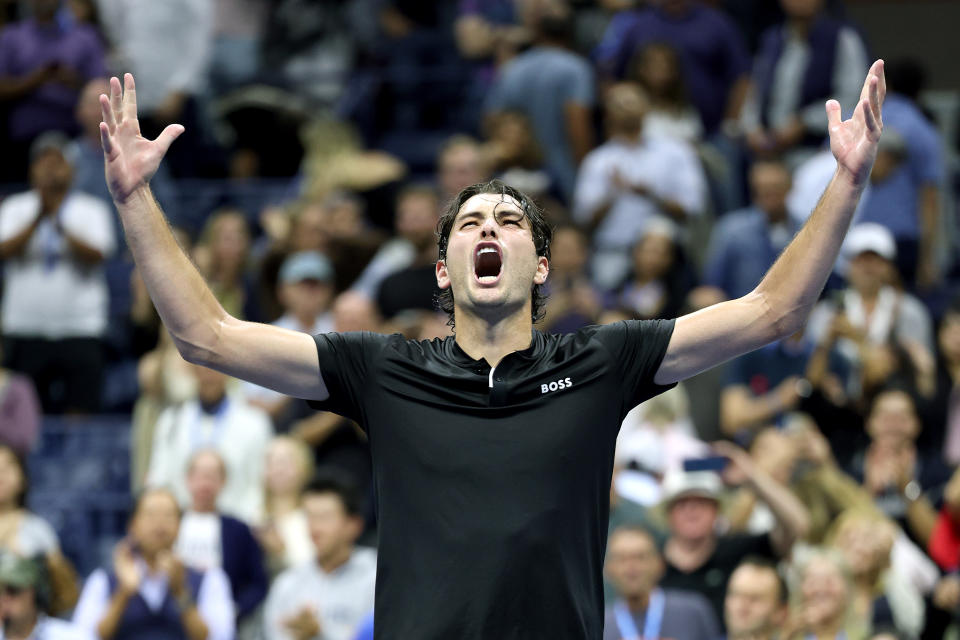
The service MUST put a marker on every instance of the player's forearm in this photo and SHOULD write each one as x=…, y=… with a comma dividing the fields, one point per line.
x=794, y=282
x=185, y=303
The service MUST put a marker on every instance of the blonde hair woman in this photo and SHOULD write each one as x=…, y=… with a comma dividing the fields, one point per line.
x=284, y=534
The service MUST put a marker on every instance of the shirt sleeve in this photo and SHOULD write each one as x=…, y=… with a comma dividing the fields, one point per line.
x=92, y=603
x=89, y=219
x=14, y=219
x=344, y=367
x=215, y=604
x=580, y=88
x=637, y=348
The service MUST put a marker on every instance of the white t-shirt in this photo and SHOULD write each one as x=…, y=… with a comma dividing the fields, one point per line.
x=199, y=543
x=48, y=293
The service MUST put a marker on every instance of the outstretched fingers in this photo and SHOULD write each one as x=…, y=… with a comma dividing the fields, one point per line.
x=116, y=99
x=870, y=118
x=168, y=135
x=129, y=97
x=833, y=113
x=105, y=139
x=107, y=113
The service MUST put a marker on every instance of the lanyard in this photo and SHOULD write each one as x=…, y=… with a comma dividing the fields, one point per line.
x=652, y=619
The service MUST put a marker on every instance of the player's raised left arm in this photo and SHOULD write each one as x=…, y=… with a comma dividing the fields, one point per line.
x=780, y=304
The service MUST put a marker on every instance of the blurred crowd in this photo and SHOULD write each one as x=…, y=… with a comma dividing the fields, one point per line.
x=807, y=490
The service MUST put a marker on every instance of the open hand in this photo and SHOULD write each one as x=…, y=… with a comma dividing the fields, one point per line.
x=130, y=160
x=854, y=141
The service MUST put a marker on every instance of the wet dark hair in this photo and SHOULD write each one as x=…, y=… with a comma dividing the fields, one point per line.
x=542, y=235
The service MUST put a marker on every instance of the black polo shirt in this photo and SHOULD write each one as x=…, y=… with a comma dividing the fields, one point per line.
x=492, y=486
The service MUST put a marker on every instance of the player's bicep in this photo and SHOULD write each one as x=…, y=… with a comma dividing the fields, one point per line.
x=713, y=335
x=279, y=359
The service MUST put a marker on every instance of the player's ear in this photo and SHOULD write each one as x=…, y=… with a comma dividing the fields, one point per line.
x=543, y=270
x=443, y=278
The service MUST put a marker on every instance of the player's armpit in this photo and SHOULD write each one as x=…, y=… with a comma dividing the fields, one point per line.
x=718, y=333
x=279, y=359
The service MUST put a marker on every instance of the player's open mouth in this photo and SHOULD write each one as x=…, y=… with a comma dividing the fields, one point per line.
x=487, y=262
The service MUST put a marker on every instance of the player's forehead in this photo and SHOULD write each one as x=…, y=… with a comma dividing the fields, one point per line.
x=487, y=204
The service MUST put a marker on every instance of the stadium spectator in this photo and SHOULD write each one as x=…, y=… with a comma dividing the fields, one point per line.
x=554, y=87
x=332, y=593
x=657, y=68
x=822, y=598
x=697, y=556
x=941, y=432
x=513, y=155
x=907, y=191
x=755, y=605
x=801, y=63
x=214, y=419
x=572, y=301
x=660, y=277
x=167, y=46
x=285, y=535
x=745, y=243
x=306, y=293
x=222, y=255
x=55, y=302
x=460, y=163
x=764, y=386
x=25, y=601
x=19, y=412
x=238, y=28
x=714, y=59
x=657, y=436
x=866, y=539
x=904, y=485
x=43, y=66
x=147, y=592
x=415, y=222
x=635, y=567
x=209, y=539
x=631, y=179
x=870, y=319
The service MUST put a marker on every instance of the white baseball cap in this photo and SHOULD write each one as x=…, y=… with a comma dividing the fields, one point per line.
x=683, y=484
x=872, y=237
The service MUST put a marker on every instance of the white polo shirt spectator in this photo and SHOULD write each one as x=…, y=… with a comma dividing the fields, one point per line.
x=55, y=298
x=668, y=168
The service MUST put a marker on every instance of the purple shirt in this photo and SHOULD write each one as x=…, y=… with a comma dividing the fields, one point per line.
x=712, y=52
x=19, y=413
x=26, y=46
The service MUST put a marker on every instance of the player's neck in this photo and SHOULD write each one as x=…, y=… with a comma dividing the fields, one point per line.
x=491, y=340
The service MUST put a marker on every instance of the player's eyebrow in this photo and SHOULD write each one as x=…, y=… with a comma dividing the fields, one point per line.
x=468, y=215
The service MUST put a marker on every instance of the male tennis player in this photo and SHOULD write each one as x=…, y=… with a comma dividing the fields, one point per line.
x=493, y=450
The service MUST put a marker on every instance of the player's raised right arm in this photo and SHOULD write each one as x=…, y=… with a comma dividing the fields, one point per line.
x=203, y=332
